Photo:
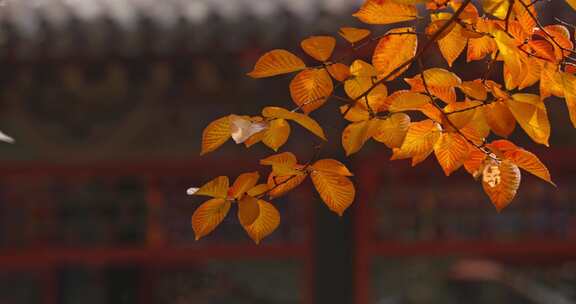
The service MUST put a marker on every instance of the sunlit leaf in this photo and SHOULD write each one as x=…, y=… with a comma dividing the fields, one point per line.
x=208, y=216
x=406, y=100
x=524, y=159
x=385, y=12
x=339, y=71
x=277, y=134
x=243, y=183
x=419, y=141
x=301, y=119
x=267, y=221
x=331, y=166
x=215, y=134
x=319, y=47
x=356, y=134
x=392, y=130
x=474, y=89
x=531, y=114
x=248, y=210
x=394, y=50
x=217, y=188
x=310, y=89
x=501, y=182
x=512, y=58
x=499, y=118
x=496, y=8
x=280, y=185
x=451, y=150
x=337, y=191
x=276, y=62
x=352, y=34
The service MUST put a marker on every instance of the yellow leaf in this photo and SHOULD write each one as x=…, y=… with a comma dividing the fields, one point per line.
x=474, y=163
x=277, y=134
x=523, y=16
x=258, y=190
x=355, y=113
x=478, y=48
x=440, y=82
x=453, y=44
x=319, y=47
x=572, y=3
x=215, y=134
x=532, y=72
x=397, y=47
x=419, y=141
x=404, y=100
x=567, y=82
x=474, y=89
x=451, y=151
x=301, y=119
x=531, y=114
x=339, y=71
x=496, y=8
x=460, y=113
x=356, y=134
x=217, y=188
x=248, y=210
x=385, y=12
x=392, y=130
x=310, y=89
x=208, y=216
x=357, y=86
x=242, y=184
x=352, y=34
x=501, y=182
x=522, y=158
x=336, y=191
x=267, y=221
x=285, y=159
x=280, y=185
x=276, y=62
x=512, y=59
x=361, y=68
x=331, y=166
x=499, y=118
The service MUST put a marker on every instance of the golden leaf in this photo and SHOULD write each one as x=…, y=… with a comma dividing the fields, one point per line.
x=480, y=47
x=499, y=118
x=460, y=113
x=392, y=130
x=276, y=62
x=451, y=151
x=501, y=182
x=385, y=12
x=336, y=191
x=572, y=3
x=267, y=221
x=453, y=44
x=475, y=161
x=440, y=82
x=259, y=189
x=208, y=216
x=277, y=134
x=404, y=100
x=496, y=8
x=242, y=184
x=512, y=59
x=248, y=210
x=419, y=141
x=280, y=185
x=393, y=50
x=531, y=114
x=356, y=134
x=319, y=47
x=524, y=159
x=331, y=166
x=301, y=119
x=355, y=113
x=352, y=34
x=285, y=159
x=310, y=89
x=474, y=89
x=215, y=134
x=217, y=188
x=339, y=71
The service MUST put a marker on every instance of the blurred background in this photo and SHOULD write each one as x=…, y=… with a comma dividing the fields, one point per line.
x=107, y=100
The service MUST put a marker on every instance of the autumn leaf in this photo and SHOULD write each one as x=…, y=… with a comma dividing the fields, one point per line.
x=217, y=188
x=474, y=89
x=208, y=216
x=531, y=114
x=267, y=221
x=356, y=134
x=393, y=50
x=280, y=185
x=337, y=191
x=512, y=59
x=499, y=118
x=331, y=166
x=248, y=210
x=501, y=182
x=404, y=100
x=440, y=82
x=453, y=42
x=282, y=164
x=242, y=128
x=310, y=89
x=478, y=48
x=276, y=62
x=242, y=184
x=319, y=47
x=392, y=130
x=451, y=151
x=352, y=34
x=496, y=8
x=277, y=134
x=301, y=119
x=215, y=134
x=338, y=71
x=385, y=12
x=419, y=141
x=572, y=3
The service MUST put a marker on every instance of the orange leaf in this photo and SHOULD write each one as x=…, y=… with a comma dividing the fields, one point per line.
x=331, y=166
x=319, y=47
x=242, y=184
x=356, y=134
x=276, y=62
x=277, y=134
x=336, y=191
x=512, y=59
x=301, y=119
x=259, y=189
x=501, y=182
x=352, y=34
x=474, y=89
x=499, y=118
x=451, y=151
x=284, y=159
x=339, y=71
x=404, y=100
x=419, y=141
x=453, y=44
x=280, y=185
x=385, y=12
x=392, y=130
x=393, y=50
x=531, y=114
x=496, y=8
x=310, y=89
x=440, y=82
x=217, y=188
x=480, y=47
x=248, y=210
x=215, y=134
x=208, y=216
x=267, y=221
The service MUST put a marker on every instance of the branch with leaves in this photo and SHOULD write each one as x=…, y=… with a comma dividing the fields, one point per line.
x=462, y=118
